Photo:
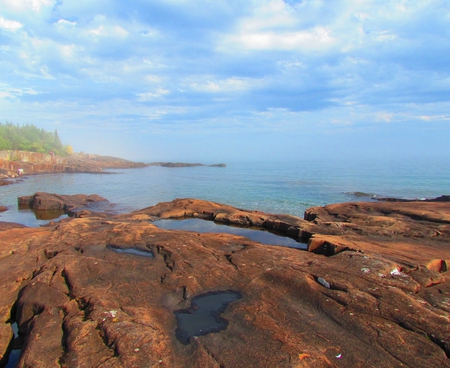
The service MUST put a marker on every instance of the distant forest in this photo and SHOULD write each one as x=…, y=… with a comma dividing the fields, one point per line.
x=30, y=138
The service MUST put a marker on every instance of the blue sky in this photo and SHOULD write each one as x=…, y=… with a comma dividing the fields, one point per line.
x=218, y=81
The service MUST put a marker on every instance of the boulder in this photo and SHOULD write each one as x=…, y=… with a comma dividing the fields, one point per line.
x=67, y=204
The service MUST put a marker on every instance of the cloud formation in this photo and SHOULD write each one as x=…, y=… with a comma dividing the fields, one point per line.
x=227, y=75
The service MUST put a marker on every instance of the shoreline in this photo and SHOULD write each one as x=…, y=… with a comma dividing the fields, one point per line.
x=11, y=162
x=32, y=163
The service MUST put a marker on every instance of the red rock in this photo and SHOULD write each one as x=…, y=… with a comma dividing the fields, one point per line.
x=379, y=299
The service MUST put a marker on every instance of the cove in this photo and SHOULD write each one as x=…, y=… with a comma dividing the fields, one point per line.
x=133, y=251
x=206, y=226
x=203, y=317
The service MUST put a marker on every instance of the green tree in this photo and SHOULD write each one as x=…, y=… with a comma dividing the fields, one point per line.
x=30, y=138
x=4, y=144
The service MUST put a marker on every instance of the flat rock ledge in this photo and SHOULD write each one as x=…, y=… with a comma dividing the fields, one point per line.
x=371, y=291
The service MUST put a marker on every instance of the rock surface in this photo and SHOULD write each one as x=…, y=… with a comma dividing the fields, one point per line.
x=372, y=291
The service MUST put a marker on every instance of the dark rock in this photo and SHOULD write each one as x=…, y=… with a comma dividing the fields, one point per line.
x=178, y=164
x=443, y=198
x=68, y=204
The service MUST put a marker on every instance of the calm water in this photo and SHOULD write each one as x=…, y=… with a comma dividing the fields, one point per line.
x=203, y=317
x=205, y=226
x=288, y=187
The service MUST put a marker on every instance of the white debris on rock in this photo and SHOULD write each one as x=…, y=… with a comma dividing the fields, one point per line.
x=397, y=272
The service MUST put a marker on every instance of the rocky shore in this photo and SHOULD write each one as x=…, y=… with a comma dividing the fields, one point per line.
x=40, y=163
x=103, y=290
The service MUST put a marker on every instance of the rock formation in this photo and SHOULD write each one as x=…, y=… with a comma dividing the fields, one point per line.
x=372, y=290
x=73, y=205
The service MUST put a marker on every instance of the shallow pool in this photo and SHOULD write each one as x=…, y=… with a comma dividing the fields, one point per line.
x=205, y=226
x=203, y=317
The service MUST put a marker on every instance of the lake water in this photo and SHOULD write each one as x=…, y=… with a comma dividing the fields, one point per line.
x=284, y=187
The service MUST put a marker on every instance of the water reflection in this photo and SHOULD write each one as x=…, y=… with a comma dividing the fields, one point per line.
x=14, y=354
x=204, y=226
x=203, y=317
x=133, y=251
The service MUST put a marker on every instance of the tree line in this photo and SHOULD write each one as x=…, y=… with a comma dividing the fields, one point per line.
x=31, y=138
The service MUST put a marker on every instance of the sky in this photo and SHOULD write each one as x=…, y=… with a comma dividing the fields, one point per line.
x=227, y=80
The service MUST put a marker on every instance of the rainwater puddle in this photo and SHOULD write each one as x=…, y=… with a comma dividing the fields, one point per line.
x=205, y=226
x=132, y=251
x=203, y=317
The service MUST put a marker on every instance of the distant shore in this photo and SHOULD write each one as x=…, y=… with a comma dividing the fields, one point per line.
x=15, y=163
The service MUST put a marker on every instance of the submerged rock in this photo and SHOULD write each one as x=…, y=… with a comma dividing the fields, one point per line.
x=372, y=291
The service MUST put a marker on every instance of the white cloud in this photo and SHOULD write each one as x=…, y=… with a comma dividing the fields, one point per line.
x=64, y=22
x=15, y=93
x=153, y=78
x=442, y=117
x=311, y=40
x=149, y=96
x=276, y=26
x=25, y=5
x=228, y=85
x=101, y=26
x=9, y=25
x=384, y=116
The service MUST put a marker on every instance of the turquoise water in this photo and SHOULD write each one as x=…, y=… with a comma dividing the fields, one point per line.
x=285, y=187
